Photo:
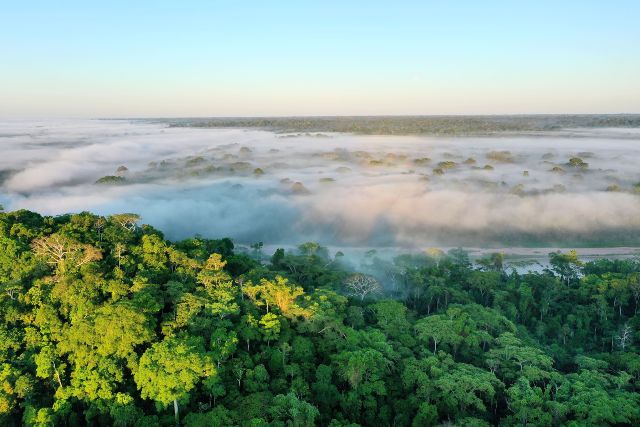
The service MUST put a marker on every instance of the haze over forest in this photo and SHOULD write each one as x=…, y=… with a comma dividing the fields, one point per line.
x=474, y=181
x=304, y=271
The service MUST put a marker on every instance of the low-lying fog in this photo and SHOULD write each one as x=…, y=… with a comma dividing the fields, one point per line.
x=573, y=188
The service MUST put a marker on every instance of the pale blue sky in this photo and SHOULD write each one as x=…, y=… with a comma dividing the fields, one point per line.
x=229, y=58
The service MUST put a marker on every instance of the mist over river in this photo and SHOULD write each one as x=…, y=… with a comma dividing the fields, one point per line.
x=556, y=189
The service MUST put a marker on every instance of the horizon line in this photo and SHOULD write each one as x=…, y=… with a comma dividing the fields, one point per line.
x=347, y=116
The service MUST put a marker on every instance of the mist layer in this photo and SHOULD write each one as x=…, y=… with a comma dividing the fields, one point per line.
x=561, y=188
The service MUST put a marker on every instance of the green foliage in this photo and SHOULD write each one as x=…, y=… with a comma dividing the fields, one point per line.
x=104, y=322
x=577, y=162
x=171, y=368
x=430, y=125
x=111, y=180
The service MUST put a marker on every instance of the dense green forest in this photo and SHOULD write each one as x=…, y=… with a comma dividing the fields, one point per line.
x=104, y=322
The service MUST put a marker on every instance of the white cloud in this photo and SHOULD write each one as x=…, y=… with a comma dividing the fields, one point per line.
x=363, y=190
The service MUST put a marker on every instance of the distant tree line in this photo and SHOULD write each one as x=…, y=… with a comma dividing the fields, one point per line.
x=412, y=125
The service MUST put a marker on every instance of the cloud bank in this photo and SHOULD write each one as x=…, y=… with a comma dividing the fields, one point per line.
x=567, y=188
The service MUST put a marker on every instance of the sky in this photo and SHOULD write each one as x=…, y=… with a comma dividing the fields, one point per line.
x=284, y=58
